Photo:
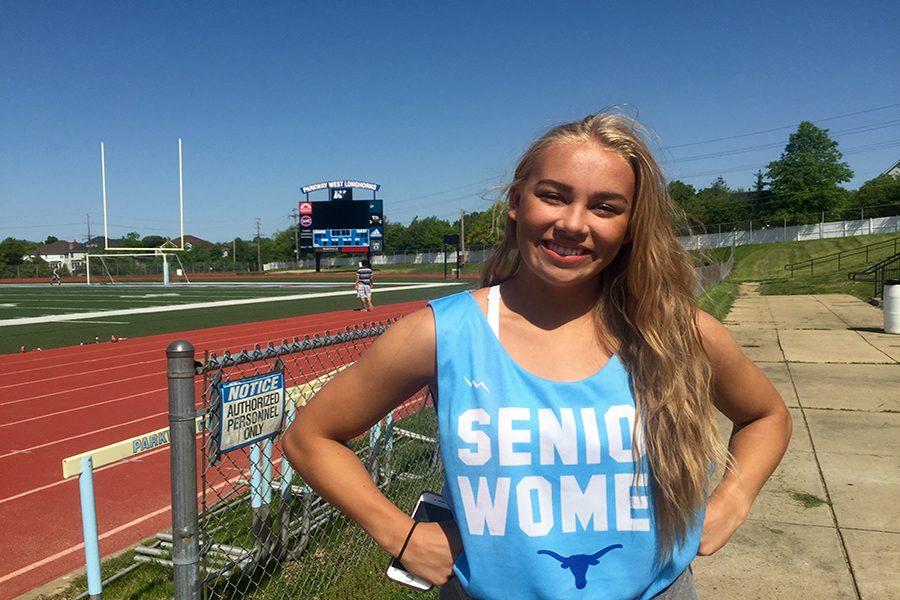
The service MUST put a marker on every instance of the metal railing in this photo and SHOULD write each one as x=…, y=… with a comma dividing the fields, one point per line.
x=833, y=261
x=882, y=272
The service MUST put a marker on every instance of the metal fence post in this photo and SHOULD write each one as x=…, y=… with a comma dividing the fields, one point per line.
x=185, y=543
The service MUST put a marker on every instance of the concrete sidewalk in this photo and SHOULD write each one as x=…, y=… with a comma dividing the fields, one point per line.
x=827, y=524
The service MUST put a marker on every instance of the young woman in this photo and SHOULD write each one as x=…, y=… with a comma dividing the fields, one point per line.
x=575, y=396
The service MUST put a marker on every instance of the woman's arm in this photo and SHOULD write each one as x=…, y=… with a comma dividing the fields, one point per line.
x=399, y=363
x=762, y=429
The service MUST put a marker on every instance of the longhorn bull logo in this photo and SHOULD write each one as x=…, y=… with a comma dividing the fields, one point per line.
x=579, y=563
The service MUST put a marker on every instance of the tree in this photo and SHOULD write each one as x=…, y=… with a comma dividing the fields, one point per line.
x=805, y=178
x=428, y=233
x=719, y=204
x=283, y=245
x=485, y=228
x=682, y=193
x=394, y=237
x=12, y=251
x=873, y=194
x=153, y=241
x=50, y=239
x=759, y=185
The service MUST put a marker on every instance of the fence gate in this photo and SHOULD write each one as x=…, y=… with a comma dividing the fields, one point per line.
x=262, y=532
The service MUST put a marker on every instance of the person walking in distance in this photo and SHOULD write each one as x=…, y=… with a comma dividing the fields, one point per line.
x=364, y=284
x=54, y=276
x=575, y=396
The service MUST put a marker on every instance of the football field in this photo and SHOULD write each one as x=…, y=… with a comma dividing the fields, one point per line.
x=41, y=316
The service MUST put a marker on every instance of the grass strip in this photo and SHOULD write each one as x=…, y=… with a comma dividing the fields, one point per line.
x=826, y=283
x=718, y=299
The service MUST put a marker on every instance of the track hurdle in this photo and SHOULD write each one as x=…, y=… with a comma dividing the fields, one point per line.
x=83, y=466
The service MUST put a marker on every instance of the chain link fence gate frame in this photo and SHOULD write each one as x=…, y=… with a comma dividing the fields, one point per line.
x=260, y=531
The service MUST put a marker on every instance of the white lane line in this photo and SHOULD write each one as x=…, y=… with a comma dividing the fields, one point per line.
x=118, y=529
x=78, y=389
x=62, y=481
x=31, y=382
x=62, y=412
x=198, y=305
x=77, y=547
x=80, y=435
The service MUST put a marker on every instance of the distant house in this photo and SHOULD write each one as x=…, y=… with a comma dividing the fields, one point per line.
x=190, y=241
x=894, y=171
x=60, y=254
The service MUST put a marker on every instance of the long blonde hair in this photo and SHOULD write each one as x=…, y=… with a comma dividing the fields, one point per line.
x=646, y=312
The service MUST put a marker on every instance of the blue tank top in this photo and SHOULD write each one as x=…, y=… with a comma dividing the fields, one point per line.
x=540, y=474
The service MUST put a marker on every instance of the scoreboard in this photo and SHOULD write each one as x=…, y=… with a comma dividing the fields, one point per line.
x=342, y=224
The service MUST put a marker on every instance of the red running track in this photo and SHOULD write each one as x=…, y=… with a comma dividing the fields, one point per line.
x=61, y=402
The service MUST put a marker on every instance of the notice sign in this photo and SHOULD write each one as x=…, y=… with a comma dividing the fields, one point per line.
x=250, y=410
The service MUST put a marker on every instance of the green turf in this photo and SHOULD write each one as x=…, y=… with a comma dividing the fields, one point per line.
x=826, y=283
x=718, y=299
x=68, y=333
x=760, y=262
x=16, y=302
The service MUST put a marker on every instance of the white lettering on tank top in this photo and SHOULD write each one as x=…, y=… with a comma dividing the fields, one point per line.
x=464, y=424
x=628, y=498
x=591, y=436
x=508, y=436
x=525, y=503
x=516, y=436
x=614, y=431
x=559, y=437
x=588, y=505
x=482, y=510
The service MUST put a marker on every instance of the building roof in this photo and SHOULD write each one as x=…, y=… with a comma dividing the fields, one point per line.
x=894, y=169
x=58, y=247
x=191, y=240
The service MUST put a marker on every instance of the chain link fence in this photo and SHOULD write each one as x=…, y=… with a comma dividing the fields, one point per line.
x=261, y=531
x=712, y=273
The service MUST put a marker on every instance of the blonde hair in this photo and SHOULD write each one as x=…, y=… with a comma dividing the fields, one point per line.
x=645, y=312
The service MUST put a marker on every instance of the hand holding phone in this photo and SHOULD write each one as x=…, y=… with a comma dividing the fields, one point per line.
x=430, y=510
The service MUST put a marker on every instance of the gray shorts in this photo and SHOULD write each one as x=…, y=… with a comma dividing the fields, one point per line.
x=681, y=589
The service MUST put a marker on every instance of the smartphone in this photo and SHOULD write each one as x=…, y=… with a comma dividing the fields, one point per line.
x=430, y=508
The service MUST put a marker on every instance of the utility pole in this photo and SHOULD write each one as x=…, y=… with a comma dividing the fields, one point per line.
x=462, y=231
x=296, y=216
x=87, y=252
x=258, y=254
x=234, y=254
x=461, y=249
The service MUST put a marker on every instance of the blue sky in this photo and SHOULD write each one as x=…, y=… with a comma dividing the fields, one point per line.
x=434, y=101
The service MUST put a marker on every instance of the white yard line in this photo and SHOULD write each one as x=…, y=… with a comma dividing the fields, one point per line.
x=108, y=322
x=196, y=305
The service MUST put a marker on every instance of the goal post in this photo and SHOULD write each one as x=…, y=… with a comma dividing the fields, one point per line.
x=119, y=267
x=180, y=247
